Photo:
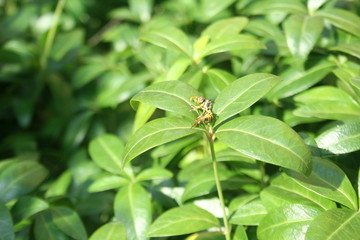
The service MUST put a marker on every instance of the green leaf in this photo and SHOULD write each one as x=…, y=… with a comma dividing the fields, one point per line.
x=45, y=228
x=267, y=139
x=249, y=214
x=240, y=233
x=110, y=231
x=88, y=73
x=302, y=33
x=182, y=220
x=106, y=151
x=209, y=9
x=295, y=81
x=20, y=178
x=344, y=138
x=327, y=102
x=155, y=133
x=349, y=48
x=26, y=207
x=107, y=182
x=269, y=6
x=231, y=43
x=217, y=80
x=132, y=207
x=171, y=96
x=69, y=222
x=285, y=190
x=329, y=181
x=142, y=9
x=342, y=19
x=60, y=186
x=225, y=27
x=170, y=38
x=335, y=224
x=241, y=94
x=66, y=42
x=289, y=222
x=143, y=113
x=178, y=68
x=6, y=224
x=155, y=173
x=313, y=5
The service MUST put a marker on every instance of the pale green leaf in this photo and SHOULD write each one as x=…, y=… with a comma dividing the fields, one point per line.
x=267, y=139
x=342, y=19
x=170, y=38
x=182, y=220
x=249, y=214
x=349, y=48
x=107, y=182
x=269, y=6
x=106, y=151
x=171, y=96
x=110, y=231
x=225, y=27
x=155, y=133
x=132, y=207
x=155, y=173
x=60, y=186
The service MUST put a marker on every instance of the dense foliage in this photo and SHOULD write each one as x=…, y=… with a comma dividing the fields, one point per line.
x=98, y=139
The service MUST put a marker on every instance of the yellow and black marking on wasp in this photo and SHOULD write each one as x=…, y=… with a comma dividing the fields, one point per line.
x=206, y=116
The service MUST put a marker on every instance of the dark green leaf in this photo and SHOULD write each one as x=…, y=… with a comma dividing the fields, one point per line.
x=329, y=181
x=294, y=219
x=66, y=42
x=225, y=27
x=110, y=231
x=107, y=151
x=241, y=94
x=182, y=220
x=69, y=222
x=302, y=33
x=155, y=133
x=267, y=139
x=231, y=43
x=170, y=38
x=132, y=207
x=170, y=96
x=335, y=224
x=6, y=224
x=45, y=228
x=341, y=139
x=20, y=178
x=249, y=214
x=342, y=19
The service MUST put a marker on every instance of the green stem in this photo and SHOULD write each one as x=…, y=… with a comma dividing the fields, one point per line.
x=218, y=184
x=51, y=35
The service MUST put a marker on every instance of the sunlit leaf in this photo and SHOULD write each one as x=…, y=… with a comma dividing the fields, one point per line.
x=110, y=231
x=349, y=48
x=182, y=220
x=267, y=139
x=241, y=94
x=132, y=207
x=249, y=214
x=268, y=6
x=335, y=224
x=225, y=27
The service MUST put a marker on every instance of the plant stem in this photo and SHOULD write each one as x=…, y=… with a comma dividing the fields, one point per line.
x=218, y=184
x=51, y=35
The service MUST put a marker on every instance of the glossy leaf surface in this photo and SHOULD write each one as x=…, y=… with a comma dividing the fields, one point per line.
x=6, y=223
x=249, y=214
x=107, y=152
x=110, y=231
x=267, y=139
x=241, y=94
x=335, y=224
x=329, y=181
x=182, y=220
x=155, y=133
x=293, y=219
x=132, y=208
x=344, y=138
x=171, y=96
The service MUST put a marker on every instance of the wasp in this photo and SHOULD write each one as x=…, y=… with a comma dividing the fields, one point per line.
x=206, y=116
